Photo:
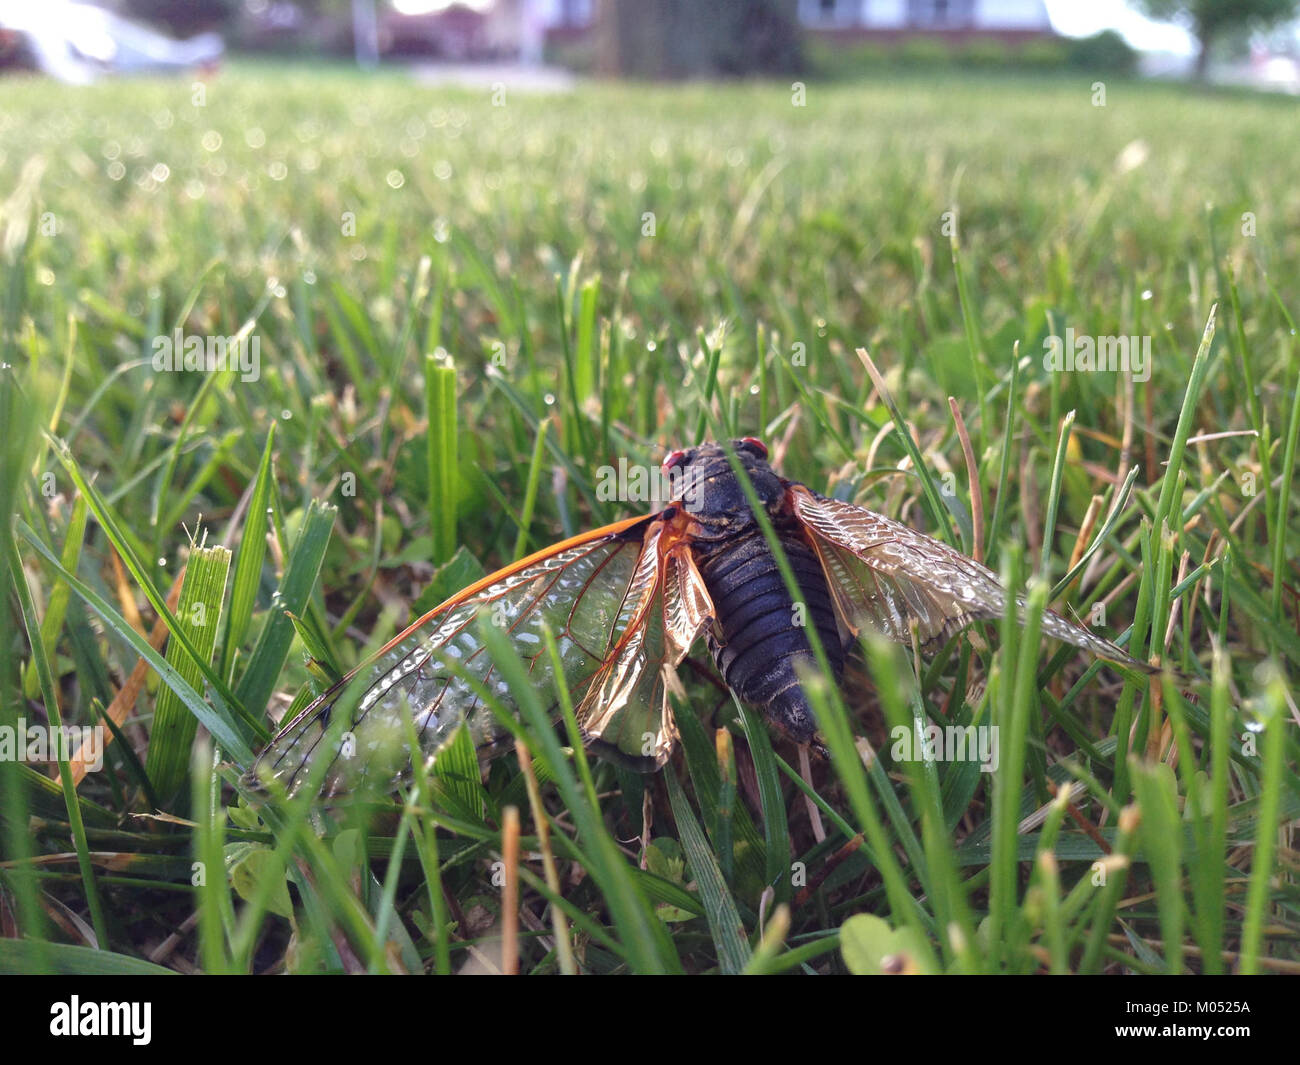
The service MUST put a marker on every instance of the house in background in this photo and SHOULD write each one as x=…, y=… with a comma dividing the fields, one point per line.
x=526, y=30
x=1010, y=21
x=483, y=29
x=565, y=25
x=957, y=21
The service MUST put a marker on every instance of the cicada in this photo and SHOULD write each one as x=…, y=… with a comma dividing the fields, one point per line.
x=627, y=602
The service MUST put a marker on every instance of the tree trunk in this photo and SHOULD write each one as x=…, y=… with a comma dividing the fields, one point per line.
x=1203, y=56
x=683, y=39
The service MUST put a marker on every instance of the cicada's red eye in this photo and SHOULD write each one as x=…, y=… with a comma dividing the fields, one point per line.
x=674, y=458
x=756, y=444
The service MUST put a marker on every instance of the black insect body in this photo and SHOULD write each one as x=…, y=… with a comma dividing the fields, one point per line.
x=761, y=632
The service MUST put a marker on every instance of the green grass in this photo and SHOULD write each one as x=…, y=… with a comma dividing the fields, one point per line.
x=358, y=227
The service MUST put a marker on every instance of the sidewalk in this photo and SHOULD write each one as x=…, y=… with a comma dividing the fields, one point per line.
x=516, y=76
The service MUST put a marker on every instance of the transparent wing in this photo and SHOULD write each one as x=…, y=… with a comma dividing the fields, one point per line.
x=888, y=577
x=589, y=591
x=626, y=715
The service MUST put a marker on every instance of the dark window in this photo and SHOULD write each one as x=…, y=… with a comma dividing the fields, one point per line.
x=941, y=12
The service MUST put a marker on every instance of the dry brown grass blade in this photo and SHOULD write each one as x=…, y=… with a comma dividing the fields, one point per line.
x=510, y=893
x=972, y=478
x=563, y=950
x=130, y=691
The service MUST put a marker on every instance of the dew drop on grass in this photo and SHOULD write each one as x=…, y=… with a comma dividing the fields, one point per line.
x=650, y=345
x=285, y=415
x=309, y=277
x=549, y=399
x=396, y=179
x=1146, y=293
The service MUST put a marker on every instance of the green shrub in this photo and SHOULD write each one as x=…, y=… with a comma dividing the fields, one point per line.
x=1043, y=55
x=924, y=52
x=986, y=54
x=827, y=59
x=1105, y=52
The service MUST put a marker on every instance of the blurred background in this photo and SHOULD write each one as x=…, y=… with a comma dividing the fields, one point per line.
x=480, y=252
x=1250, y=42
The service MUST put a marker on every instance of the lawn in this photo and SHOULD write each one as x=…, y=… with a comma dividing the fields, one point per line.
x=558, y=282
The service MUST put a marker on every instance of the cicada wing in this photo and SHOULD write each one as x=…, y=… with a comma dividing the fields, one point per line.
x=579, y=589
x=888, y=577
x=626, y=715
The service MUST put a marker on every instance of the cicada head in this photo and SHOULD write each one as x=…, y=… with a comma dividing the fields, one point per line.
x=705, y=483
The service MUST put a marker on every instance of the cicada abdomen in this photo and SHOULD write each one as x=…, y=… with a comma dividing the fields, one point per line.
x=764, y=630
x=760, y=631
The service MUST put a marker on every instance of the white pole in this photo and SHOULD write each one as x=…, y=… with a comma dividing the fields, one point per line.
x=365, y=32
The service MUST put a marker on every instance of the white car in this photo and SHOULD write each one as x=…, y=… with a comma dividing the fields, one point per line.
x=77, y=42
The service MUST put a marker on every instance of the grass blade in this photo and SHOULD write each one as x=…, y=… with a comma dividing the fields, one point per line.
x=301, y=570
x=440, y=440
x=174, y=726
x=719, y=907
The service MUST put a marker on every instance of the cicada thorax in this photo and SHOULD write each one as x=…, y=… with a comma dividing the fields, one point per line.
x=763, y=629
